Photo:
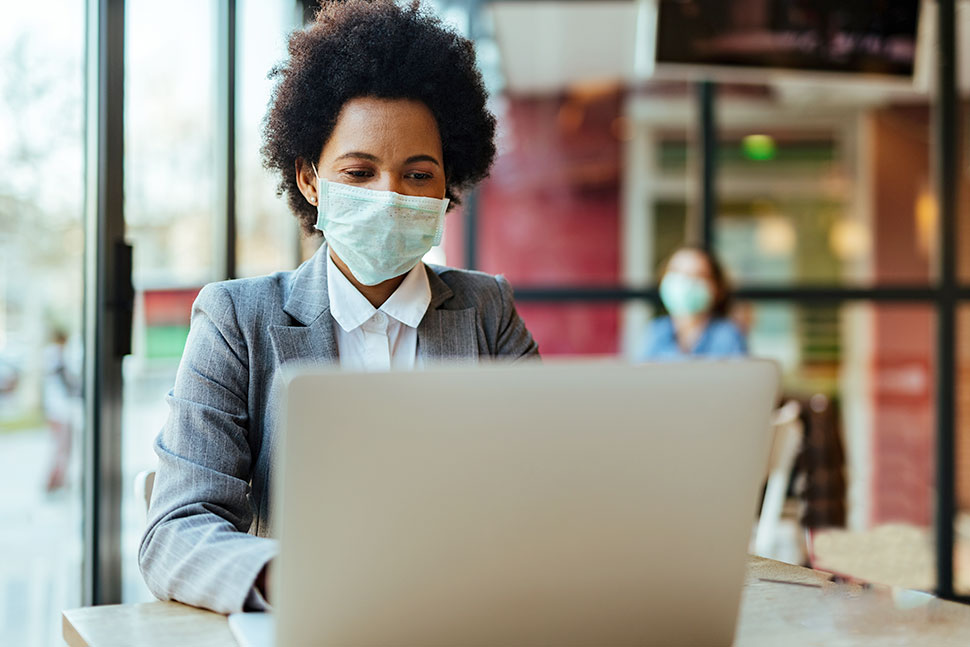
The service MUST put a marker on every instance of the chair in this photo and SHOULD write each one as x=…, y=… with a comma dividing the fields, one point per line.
x=144, y=482
x=787, y=441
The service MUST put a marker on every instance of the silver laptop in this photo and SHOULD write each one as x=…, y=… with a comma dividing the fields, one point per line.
x=557, y=504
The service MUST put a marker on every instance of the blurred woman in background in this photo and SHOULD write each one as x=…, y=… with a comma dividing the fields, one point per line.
x=696, y=300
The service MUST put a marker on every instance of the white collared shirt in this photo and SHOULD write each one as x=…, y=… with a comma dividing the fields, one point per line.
x=377, y=339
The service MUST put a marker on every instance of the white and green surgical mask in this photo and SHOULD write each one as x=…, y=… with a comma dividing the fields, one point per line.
x=378, y=234
x=685, y=295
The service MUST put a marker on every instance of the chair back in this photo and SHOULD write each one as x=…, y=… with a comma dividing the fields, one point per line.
x=144, y=482
x=786, y=442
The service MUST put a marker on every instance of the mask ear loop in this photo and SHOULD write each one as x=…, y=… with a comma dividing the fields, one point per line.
x=317, y=176
x=314, y=201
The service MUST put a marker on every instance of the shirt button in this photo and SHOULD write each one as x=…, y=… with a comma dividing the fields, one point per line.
x=380, y=320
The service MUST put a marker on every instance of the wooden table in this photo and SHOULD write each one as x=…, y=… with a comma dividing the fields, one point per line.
x=781, y=605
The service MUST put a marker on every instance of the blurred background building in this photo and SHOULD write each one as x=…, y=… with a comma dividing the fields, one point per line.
x=822, y=206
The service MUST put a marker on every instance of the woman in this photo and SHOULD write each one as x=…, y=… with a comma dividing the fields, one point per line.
x=694, y=293
x=62, y=391
x=377, y=124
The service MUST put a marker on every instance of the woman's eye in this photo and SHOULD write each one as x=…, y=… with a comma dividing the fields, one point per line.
x=359, y=173
x=418, y=175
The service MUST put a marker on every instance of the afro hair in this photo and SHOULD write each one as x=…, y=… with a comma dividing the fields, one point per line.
x=381, y=49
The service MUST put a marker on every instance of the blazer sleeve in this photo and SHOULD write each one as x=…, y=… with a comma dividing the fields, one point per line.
x=196, y=548
x=514, y=339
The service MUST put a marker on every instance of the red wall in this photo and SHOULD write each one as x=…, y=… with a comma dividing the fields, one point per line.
x=903, y=335
x=549, y=214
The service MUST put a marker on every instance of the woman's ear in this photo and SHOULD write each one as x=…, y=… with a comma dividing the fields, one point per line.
x=306, y=180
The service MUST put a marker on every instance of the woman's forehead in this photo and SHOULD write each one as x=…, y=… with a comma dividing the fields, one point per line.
x=690, y=261
x=385, y=128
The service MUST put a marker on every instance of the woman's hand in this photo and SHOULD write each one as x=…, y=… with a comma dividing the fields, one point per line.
x=262, y=582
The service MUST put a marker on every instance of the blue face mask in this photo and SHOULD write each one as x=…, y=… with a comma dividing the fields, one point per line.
x=685, y=295
x=378, y=234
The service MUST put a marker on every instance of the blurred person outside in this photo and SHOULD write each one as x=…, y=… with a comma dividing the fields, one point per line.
x=61, y=398
x=696, y=299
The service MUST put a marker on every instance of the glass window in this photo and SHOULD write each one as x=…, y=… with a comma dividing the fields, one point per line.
x=41, y=288
x=173, y=202
x=170, y=210
x=267, y=233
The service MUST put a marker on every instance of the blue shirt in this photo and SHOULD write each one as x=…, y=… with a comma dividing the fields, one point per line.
x=721, y=338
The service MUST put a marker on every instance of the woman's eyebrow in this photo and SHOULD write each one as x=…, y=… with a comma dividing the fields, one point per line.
x=422, y=158
x=374, y=158
x=359, y=155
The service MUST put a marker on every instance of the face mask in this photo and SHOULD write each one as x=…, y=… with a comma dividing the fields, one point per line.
x=685, y=295
x=378, y=234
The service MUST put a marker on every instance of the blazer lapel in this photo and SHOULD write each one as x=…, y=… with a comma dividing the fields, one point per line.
x=308, y=303
x=442, y=333
x=446, y=334
x=314, y=343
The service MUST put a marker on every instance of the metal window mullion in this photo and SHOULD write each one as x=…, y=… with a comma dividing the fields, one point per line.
x=471, y=199
x=707, y=139
x=470, y=221
x=945, y=131
x=104, y=238
x=806, y=294
x=224, y=252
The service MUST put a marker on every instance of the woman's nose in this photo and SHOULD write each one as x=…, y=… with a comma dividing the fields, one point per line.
x=387, y=182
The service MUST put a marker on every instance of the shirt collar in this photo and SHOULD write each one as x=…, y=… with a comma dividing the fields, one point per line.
x=350, y=308
x=410, y=300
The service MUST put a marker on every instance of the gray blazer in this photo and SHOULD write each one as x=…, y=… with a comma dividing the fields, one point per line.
x=208, y=533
